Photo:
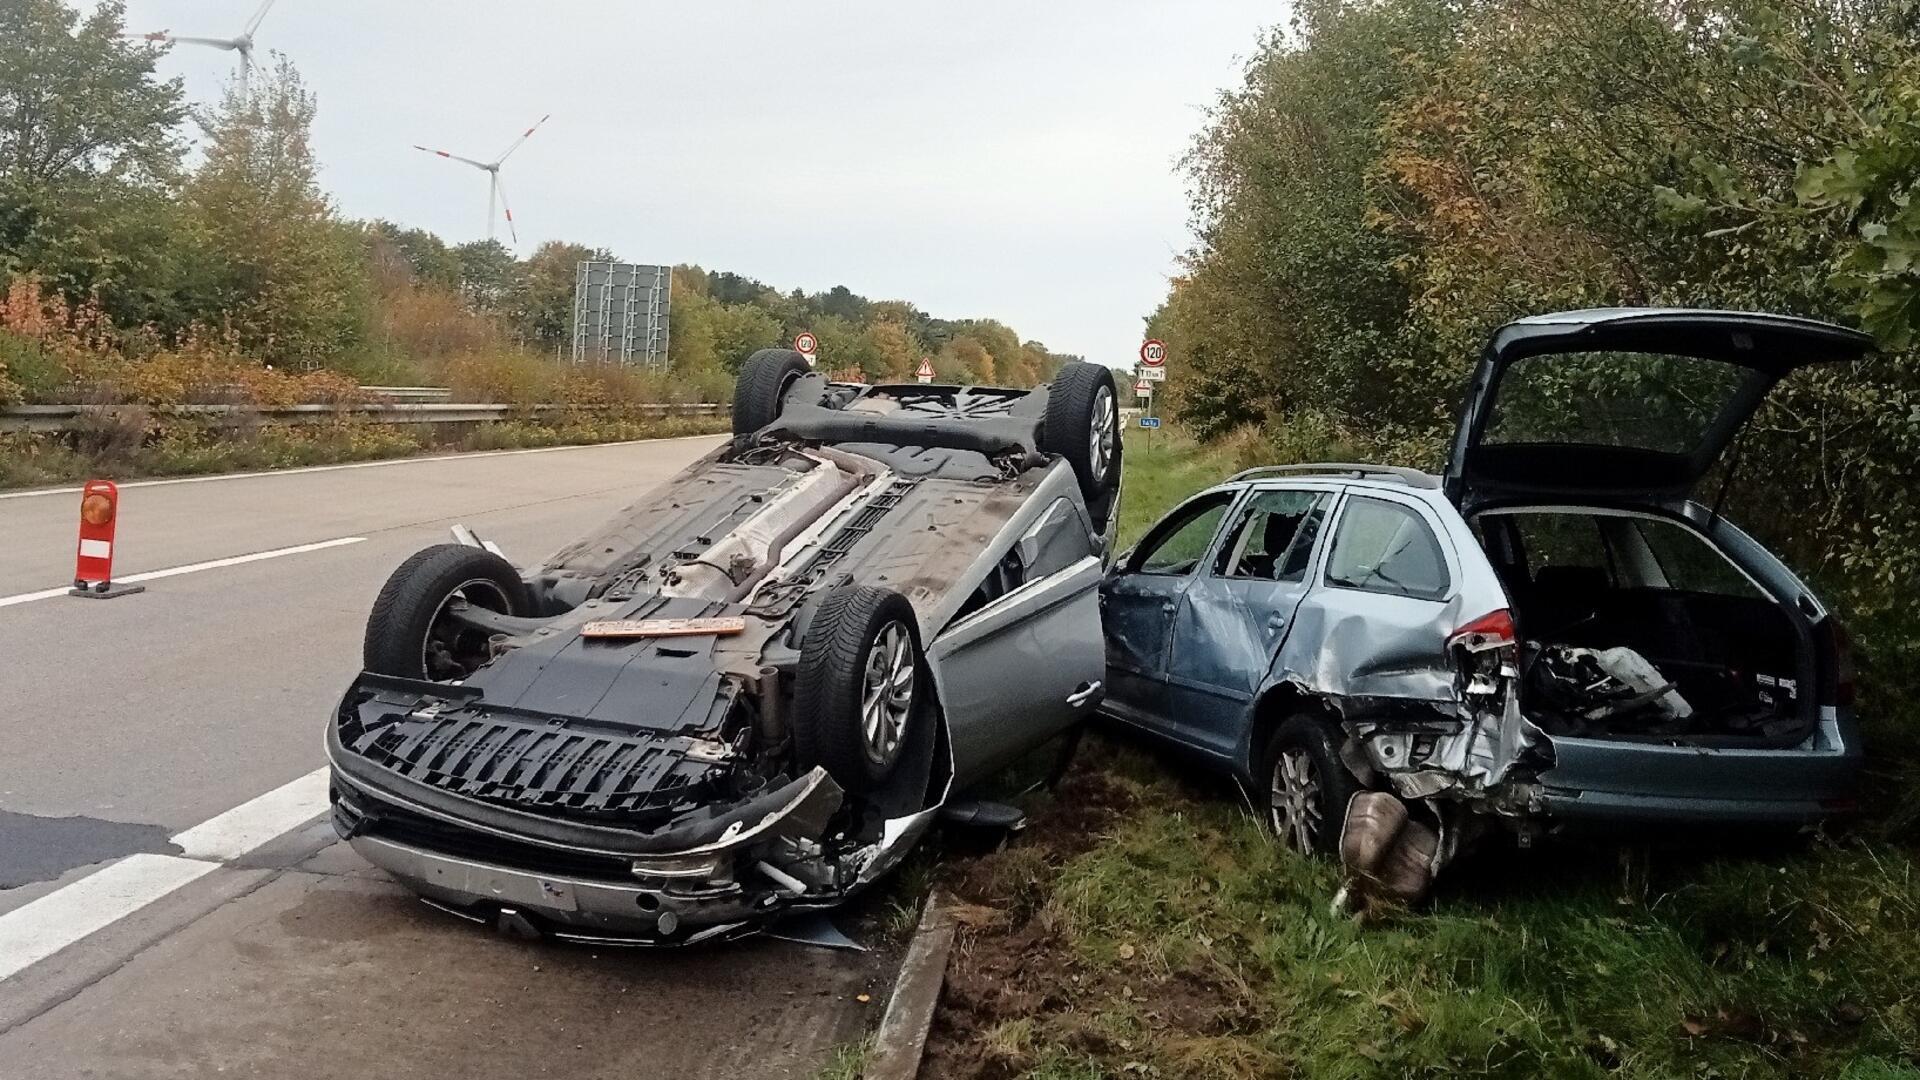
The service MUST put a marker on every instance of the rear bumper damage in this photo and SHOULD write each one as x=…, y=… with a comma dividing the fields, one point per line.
x=1443, y=781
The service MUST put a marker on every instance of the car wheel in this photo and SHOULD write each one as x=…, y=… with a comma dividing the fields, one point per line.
x=762, y=387
x=1308, y=787
x=861, y=686
x=1082, y=425
x=410, y=633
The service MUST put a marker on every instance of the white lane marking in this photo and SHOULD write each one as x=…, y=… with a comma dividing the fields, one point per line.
x=193, y=568
x=28, y=597
x=34, y=931
x=351, y=465
x=258, y=820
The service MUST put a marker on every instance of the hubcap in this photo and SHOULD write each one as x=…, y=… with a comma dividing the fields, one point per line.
x=1100, y=438
x=1296, y=800
x=453, y=650
x=886, y=693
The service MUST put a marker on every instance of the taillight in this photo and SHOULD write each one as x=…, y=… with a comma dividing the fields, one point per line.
x=1843, y=671
x=1489, y=631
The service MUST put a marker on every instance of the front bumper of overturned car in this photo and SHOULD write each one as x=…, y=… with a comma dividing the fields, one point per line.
x=530, y=881
x=568, y=908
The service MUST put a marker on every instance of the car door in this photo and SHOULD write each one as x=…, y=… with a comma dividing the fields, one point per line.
x=1140, y=598
x=1028, y=664
x=1236, y=611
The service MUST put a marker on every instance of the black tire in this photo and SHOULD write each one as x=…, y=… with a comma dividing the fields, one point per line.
x=1309, y=742
x=1082, y=425
x=762, y=387
x=831, y=725
x=405, y=633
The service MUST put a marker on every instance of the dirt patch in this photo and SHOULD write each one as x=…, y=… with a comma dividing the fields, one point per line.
x=1016, y=984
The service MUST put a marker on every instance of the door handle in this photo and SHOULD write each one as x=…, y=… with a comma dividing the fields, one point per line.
x=1168, y=606
x=1088, y=691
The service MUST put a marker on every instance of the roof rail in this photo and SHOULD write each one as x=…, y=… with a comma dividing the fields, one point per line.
x=1409, y=477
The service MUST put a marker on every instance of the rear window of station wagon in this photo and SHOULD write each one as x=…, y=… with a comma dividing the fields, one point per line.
x=1385, y=547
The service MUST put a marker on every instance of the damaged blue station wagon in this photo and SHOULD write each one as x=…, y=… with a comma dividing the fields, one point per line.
x=1554, y=633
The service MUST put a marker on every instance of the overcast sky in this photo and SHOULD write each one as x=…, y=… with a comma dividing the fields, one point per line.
x=1013, y=160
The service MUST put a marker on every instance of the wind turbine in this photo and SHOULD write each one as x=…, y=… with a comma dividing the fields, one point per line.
x=495, y=193
x=242, y=44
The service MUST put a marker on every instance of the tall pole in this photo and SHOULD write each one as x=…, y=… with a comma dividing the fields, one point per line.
x=493, y=194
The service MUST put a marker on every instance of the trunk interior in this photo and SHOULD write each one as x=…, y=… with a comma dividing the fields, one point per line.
x=1635, y=627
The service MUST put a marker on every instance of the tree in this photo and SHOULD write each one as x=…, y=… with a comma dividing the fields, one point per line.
x=741, y=329
x=547, y=281
x=292, y=277
x=422, y=256
x=489, y=275
x=79, y=100
x=89, y=162
x=894, y=346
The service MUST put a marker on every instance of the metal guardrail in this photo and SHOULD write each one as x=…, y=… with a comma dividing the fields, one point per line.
x=410, y=393
x=49, y=418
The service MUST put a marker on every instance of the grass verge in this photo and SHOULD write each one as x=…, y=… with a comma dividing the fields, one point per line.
x=1146, y=926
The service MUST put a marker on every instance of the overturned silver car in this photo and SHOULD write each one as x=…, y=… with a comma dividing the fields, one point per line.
x=753, y=689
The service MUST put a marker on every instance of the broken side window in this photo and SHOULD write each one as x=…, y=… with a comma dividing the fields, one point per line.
x=1270, y=529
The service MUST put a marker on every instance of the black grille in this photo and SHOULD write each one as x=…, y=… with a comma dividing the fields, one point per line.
x=539, y=765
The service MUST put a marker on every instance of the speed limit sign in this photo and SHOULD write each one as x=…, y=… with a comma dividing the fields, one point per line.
x=1153, y=352
x=806, y=344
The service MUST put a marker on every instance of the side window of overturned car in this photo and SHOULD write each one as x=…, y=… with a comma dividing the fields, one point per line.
x=1273, y=538
x=1178, y=543
x=1058, y=540
x=1385, y=547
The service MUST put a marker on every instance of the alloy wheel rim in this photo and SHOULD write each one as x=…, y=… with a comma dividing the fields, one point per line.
x=886, y=693
x=1295, y=800
x=1100, y=439
x=445, y=641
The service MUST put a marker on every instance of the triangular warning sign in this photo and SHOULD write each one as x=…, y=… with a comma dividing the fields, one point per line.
x=925, y=370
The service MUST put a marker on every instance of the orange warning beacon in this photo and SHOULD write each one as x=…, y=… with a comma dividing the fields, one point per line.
x=93, y=562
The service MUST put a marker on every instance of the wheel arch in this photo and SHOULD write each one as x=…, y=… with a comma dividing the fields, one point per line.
x=1275, y=703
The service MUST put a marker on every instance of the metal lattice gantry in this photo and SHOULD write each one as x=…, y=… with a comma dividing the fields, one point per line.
x=620, y=312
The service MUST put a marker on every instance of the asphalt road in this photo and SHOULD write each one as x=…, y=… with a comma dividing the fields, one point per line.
x=132, y=719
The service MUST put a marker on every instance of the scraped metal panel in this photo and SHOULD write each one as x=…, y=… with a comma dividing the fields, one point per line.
x=688, y=514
